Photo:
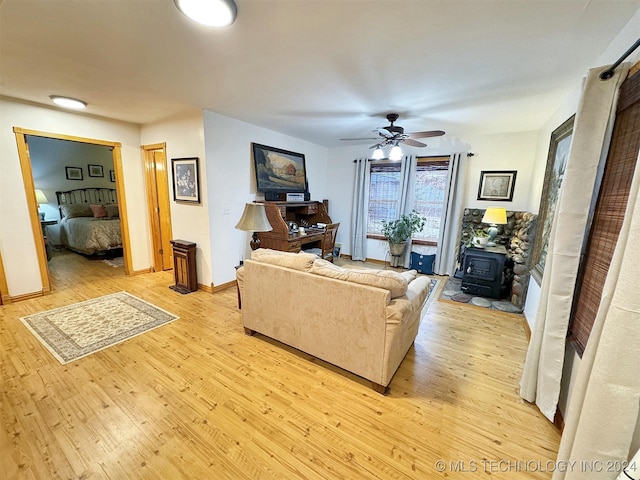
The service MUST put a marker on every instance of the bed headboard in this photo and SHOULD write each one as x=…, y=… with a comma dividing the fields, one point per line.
x=87, y=196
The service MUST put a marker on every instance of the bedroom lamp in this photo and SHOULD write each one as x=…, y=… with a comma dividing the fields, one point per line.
x=494, y=216
x=378, y=154
x=42, y=200
x=212, y=13
x=254, y=219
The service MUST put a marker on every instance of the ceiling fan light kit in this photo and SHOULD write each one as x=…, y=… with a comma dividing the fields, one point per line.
x=395, y=153
x=212, y=13
x=392, y=135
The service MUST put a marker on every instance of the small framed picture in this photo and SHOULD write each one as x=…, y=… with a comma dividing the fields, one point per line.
x=497, y=186
x=73, y=173
x=112, y=175
x=95, y=170
x=186, y=183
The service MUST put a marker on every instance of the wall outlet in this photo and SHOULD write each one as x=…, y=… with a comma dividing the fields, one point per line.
x=226, y=210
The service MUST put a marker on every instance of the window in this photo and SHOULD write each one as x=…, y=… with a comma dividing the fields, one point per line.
x=429, y=191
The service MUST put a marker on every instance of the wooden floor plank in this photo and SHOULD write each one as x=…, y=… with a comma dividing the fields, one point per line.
x=197, y=398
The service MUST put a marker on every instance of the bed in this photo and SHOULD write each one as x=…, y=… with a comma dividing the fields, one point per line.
x=90, y=221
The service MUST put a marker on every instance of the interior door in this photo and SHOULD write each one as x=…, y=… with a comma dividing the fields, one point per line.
x=157, y=179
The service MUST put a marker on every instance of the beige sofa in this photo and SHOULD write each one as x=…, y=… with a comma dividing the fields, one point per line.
x=361, y=320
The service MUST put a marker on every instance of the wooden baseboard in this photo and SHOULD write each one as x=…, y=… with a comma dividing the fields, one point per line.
x=558, y=420
x=206, y=288
x=224, y=286
x=24, y=296
x=527, y=329
x=142, y=272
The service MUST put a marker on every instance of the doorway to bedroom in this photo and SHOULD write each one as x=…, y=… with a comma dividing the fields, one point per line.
x=78, y=218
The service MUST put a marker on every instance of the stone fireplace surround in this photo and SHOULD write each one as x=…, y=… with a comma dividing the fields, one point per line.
x=517, y=236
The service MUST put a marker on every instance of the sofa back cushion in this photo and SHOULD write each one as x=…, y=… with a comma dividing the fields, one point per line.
x=296, y=261
x=394, y=282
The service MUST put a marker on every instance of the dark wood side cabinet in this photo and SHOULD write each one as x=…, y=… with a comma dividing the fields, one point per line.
x=184, y=266
x=303, y=214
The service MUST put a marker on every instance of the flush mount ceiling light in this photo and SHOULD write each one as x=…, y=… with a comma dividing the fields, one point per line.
x=67, y=102
x=213, y=13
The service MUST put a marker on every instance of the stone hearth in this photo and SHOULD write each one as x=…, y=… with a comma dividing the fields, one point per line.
x=517, y=236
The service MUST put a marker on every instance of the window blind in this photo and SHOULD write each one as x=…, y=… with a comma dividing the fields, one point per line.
x=608, y=214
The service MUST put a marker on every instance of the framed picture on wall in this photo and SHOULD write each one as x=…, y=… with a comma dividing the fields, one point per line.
x=186, y=183
x=73, y=173
x=559, y=147
x=497, y=186
x=95, y=170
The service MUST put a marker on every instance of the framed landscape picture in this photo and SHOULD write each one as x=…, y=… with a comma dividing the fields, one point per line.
x=73, y=173
x=559, y=147
x=497, y=186
x=95, y=170
x=279, y=170
x=186, y=183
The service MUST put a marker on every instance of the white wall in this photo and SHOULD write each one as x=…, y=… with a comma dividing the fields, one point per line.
x=231, y=183
x=16, y=238
x=184, y=137
x=508, y=151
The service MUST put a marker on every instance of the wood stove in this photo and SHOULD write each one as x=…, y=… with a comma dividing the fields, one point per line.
x=486, y=272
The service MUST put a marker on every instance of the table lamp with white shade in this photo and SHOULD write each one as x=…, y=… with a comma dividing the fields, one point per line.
x=254, y=219
x=42, y=200
x=494, y=216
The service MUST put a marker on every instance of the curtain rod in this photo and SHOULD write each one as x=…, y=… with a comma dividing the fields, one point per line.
x=470, y=154
x=608, y=73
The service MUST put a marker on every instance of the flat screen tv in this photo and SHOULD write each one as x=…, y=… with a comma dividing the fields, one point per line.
x=279, y=170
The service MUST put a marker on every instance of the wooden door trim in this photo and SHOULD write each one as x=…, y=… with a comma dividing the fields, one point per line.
x=153, y=202
x=32, y=204
x=4, y=288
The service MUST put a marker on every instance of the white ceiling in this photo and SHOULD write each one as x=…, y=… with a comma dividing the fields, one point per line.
x=318, y=70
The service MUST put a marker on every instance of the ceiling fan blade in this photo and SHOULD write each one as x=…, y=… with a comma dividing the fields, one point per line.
x=430, y=133
x=413, y=143
x=363, y=138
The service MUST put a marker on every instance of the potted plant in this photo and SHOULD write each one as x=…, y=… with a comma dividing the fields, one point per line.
x=480, y=238
x=398, y=231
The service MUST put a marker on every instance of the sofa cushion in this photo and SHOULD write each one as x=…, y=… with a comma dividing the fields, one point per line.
x=296, y=261
x=392, y=281
x=409, y=275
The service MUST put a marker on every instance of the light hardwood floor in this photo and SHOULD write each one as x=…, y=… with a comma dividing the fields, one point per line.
x=198, y=399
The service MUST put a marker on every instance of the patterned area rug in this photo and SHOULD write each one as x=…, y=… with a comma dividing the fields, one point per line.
x=78, y=330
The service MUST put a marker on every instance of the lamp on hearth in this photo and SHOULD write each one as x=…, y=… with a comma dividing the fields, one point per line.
x=494, y=216
x=254, y=219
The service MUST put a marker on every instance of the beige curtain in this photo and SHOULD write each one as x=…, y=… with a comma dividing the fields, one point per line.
x=603, y=423
x=542, y=373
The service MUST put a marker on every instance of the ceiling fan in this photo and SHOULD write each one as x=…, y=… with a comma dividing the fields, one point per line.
x=394, y=135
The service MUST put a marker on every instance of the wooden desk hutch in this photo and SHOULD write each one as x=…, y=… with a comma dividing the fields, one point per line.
x=304, y=214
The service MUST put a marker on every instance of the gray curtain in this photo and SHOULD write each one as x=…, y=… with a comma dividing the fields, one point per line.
x=360, y=210
x=451, y=218
x=542, y=373
x=407, y=181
